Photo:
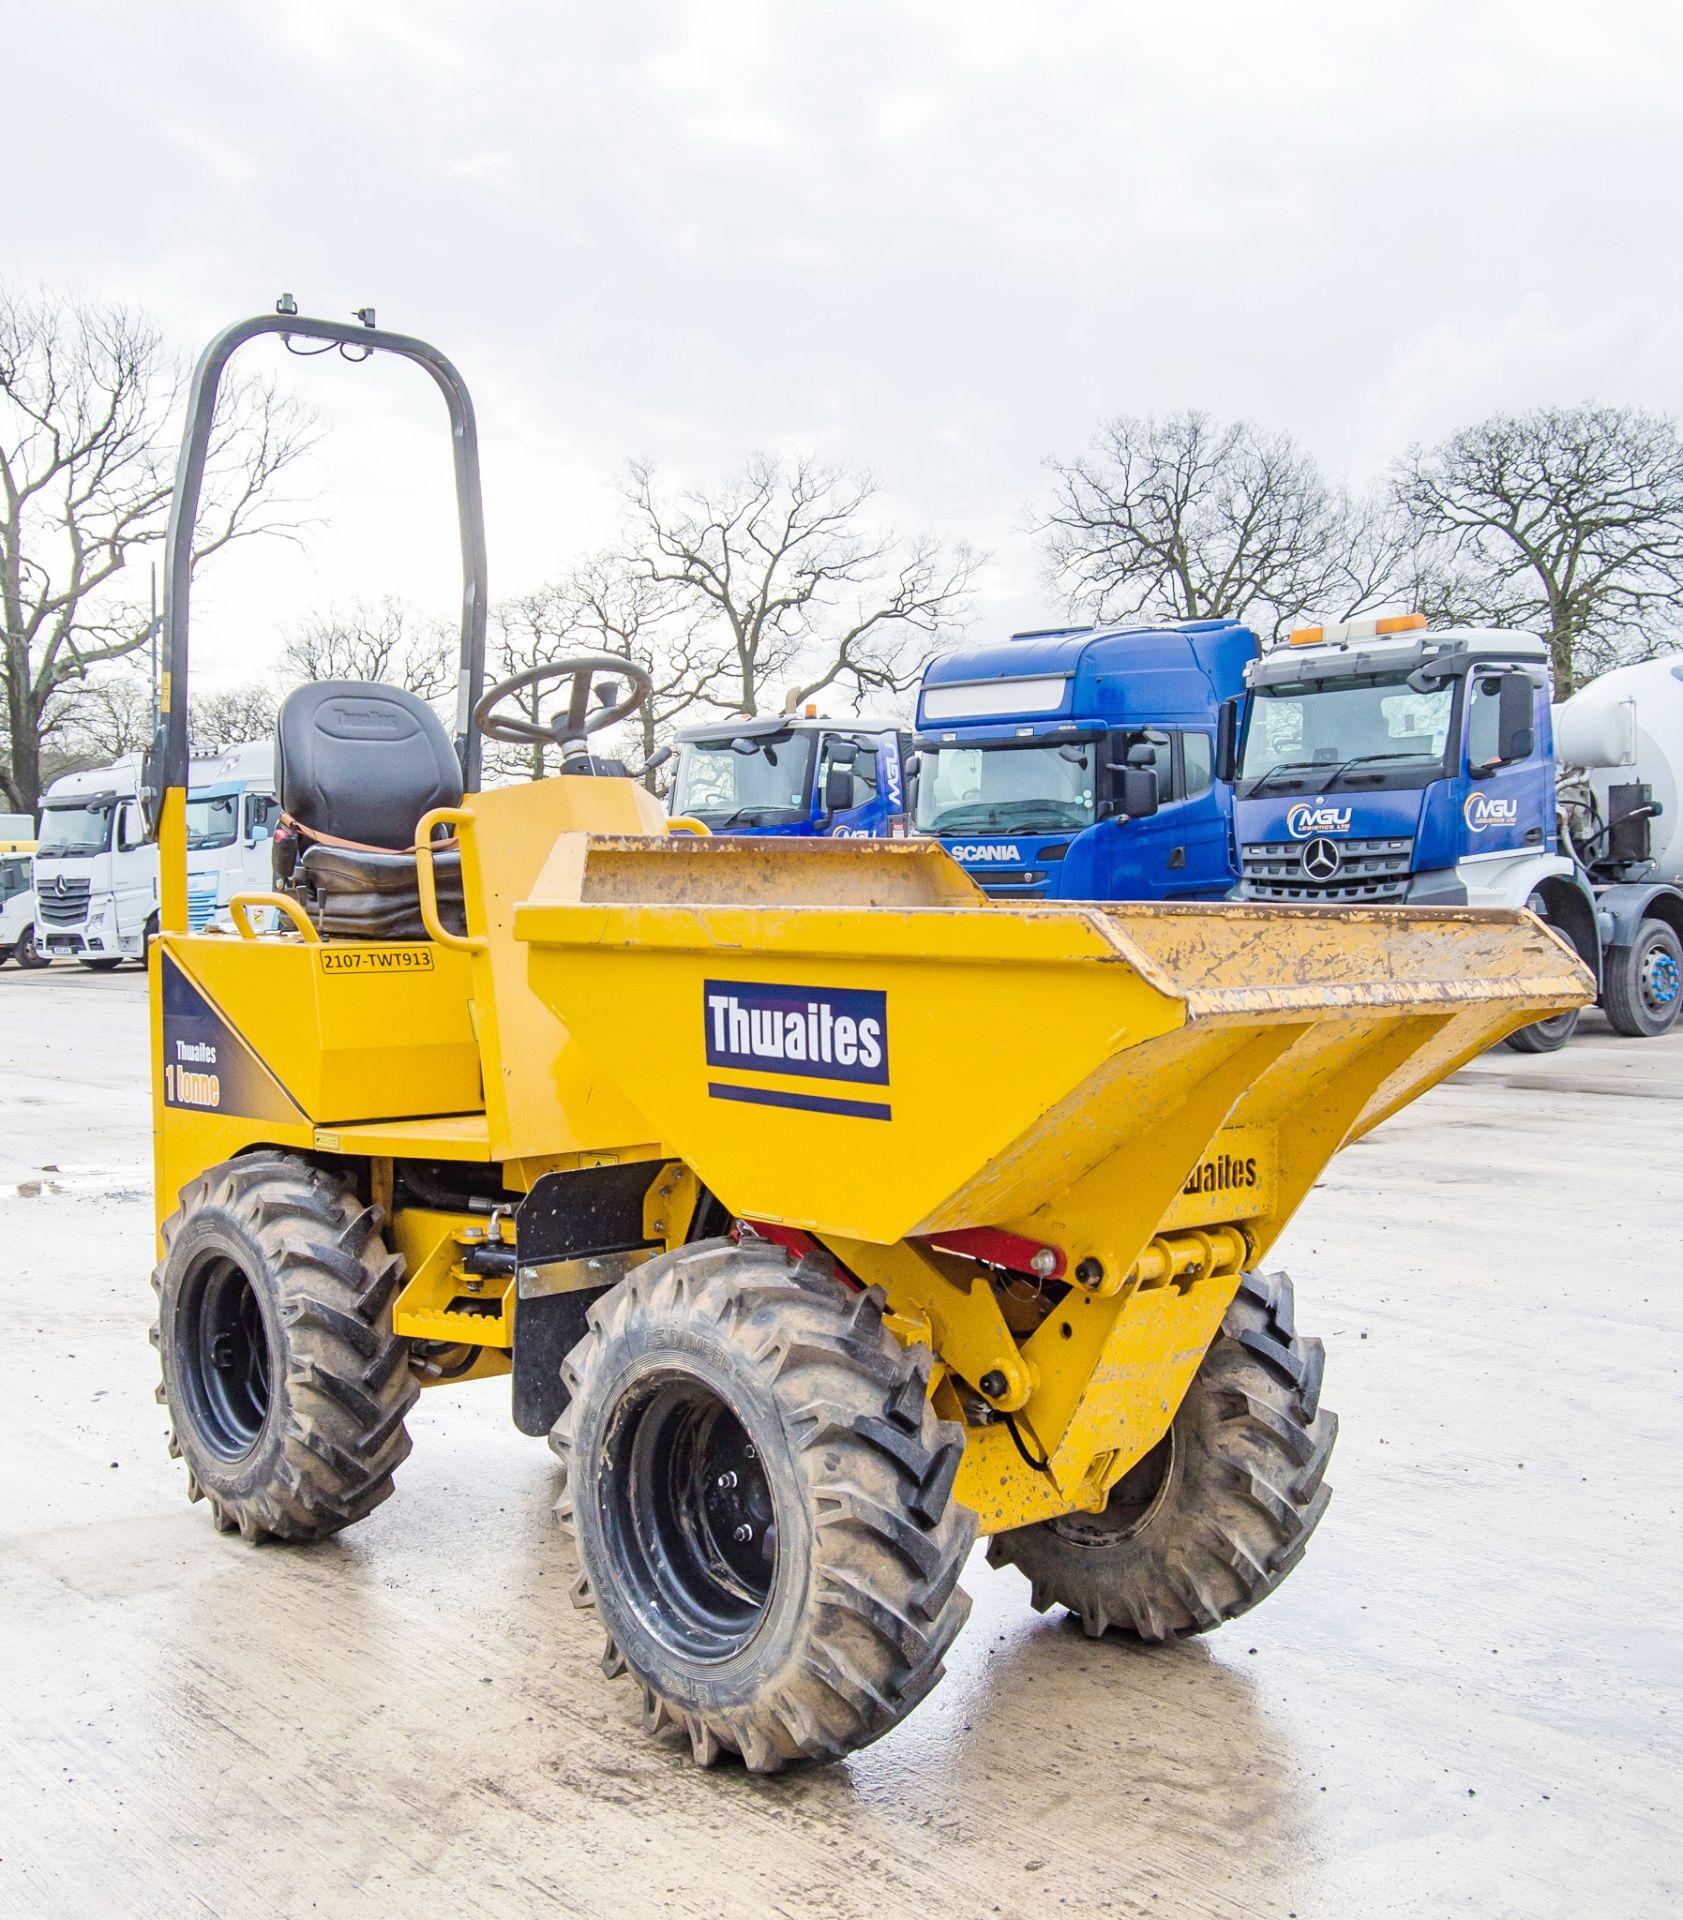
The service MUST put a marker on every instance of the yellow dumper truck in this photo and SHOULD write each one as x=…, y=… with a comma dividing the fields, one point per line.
x=822, y=1211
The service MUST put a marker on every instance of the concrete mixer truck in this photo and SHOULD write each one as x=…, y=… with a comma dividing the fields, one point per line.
x=1619, y=759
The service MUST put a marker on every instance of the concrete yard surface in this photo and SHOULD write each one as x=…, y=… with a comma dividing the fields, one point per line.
x=1466, y=1700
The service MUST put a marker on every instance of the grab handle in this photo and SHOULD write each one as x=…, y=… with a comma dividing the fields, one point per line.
x=239, y=911
x=687, y=823
x=427, y=881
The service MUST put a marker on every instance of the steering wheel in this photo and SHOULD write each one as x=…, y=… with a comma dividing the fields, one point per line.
x=583, y=670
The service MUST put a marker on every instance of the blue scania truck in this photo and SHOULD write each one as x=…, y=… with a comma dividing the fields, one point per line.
x=796, y=775
x=1077, y=763
x=1377, y=761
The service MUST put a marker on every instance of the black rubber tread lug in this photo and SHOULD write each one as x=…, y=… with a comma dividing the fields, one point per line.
x=342, y=1382
x=1245, y=1492
x=882, y=1601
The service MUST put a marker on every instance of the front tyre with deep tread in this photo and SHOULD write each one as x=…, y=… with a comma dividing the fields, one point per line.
x=759, y=1497
x=1216, y=1516
x=286, y=1386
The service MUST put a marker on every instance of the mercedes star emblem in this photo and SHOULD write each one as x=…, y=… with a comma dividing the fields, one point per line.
x=1321, y=860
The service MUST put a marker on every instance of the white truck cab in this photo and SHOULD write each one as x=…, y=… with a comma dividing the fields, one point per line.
x=232, y=809
x=17, y=890
x=96, y=874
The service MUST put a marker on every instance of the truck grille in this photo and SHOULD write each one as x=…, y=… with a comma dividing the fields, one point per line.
x=1367, y=870
x=201, y=906
x=62, y=902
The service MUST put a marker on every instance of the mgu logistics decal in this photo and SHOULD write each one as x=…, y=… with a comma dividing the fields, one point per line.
x=1481, y=810
x=797, y=1033
x=1303, y=822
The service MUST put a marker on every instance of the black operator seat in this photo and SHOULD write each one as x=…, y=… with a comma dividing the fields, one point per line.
x=358, y=765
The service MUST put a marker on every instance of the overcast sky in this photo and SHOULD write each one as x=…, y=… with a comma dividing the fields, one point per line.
x=943, y=239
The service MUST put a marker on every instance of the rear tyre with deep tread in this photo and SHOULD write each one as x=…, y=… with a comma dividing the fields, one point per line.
x=759, y=1498
x=1216, y=1516
x=1642, y=993
x=286, y=1386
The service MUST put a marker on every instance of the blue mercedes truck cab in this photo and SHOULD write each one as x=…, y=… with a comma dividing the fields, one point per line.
x=1377, y=761
x=1030, y=754
x=791, y=776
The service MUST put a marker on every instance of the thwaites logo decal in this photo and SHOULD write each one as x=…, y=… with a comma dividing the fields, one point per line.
x=802, y=1033
x=207, y=1067
x=1480, y=811
x=1222, y=1173
x=1303, y=820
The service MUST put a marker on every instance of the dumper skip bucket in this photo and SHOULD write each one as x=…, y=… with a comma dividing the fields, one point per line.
x=849, y=1038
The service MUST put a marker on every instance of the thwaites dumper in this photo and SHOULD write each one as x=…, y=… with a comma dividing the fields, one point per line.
x=822, y=1211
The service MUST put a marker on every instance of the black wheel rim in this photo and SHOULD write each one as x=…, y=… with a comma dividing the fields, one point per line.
x=687, y=1517
x=224, y=1357
x=1133, y=1502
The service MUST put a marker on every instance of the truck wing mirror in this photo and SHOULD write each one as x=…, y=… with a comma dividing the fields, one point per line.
x=1227, y=742
x=1515, y=733
x=1137, y=792
x=838, y=787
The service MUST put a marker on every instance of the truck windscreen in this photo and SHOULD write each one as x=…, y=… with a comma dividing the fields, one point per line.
x=213, y=822
x=76, y=829
x=721, y=786
x=1323, y=733
x=1007, y=789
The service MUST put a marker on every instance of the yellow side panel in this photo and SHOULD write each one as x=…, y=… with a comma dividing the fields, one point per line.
x=544, y=1093
x=346, y=1043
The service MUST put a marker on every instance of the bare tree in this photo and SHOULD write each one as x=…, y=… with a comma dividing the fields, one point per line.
x=1566, y=519
x=386, y=641
x=1178, y=516
x=86, y=466
x=231, y=717
x=604, y=605
x=109, y=716
x=793, y=581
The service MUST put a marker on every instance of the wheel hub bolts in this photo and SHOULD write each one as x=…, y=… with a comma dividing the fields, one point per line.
x=725, y=1482
x=743, y=1534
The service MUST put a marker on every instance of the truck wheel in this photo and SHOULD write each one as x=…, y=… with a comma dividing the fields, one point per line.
x=106, y=963
x=27, y=954
x=285, y=1384
x=759, y=1497
x=1544, y=1036
x=1642, y=994
x=1220, y=1511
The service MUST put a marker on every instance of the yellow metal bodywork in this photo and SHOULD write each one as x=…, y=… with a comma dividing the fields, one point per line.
x=1150, y=1091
